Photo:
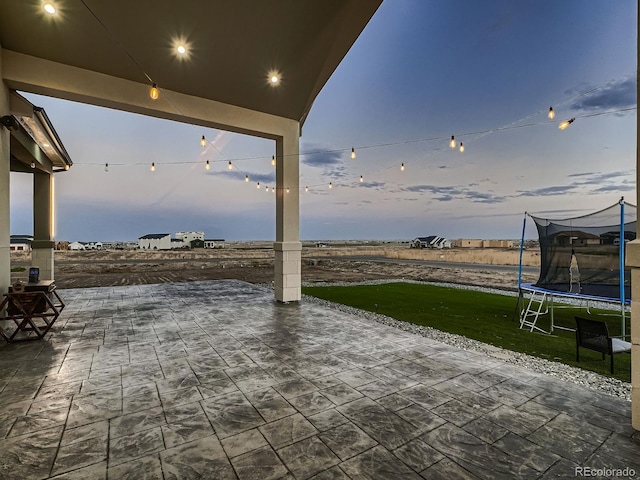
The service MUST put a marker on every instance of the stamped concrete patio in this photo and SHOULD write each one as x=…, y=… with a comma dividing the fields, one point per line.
x=214, y=380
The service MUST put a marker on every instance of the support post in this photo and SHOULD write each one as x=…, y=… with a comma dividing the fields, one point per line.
x=287, y=247
x=5, y=238
x=42, y=247
x=633, y=261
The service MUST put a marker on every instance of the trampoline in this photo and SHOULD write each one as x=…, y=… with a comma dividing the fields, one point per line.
x=581, y=258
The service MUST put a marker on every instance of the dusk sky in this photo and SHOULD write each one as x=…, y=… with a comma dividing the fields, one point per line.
x=422, y=70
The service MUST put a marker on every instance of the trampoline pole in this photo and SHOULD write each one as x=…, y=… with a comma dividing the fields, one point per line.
x=621, y=255
x=524, y=225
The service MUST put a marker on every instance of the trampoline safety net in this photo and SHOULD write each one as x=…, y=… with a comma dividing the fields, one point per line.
x=582, y=255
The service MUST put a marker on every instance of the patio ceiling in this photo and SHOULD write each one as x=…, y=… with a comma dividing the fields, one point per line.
x=231, y=45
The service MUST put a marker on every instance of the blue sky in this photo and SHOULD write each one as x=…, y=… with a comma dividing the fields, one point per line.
x=421, y=71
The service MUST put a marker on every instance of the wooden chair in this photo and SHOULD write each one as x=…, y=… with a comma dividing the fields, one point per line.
x=594, y=335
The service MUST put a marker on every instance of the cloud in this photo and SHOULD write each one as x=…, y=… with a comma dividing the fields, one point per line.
x=546, y=191
x=455, y=192
x=253, y=176
x=616, y=94
x=598, y=178
x=374, y=185
x=322, y=159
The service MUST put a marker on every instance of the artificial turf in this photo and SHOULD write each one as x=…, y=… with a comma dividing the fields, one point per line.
x=487, y=317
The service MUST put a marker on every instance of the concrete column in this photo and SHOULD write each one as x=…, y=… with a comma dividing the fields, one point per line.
x=5, y=240
x=633, y=260
x=42, y=248
x=287, y=247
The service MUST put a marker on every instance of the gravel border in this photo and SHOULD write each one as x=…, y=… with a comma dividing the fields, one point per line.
x=558, y=370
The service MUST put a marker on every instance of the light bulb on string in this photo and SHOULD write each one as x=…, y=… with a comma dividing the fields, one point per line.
x=330, y=185
x=230, y=166
x=353, y=153
x=273, y=160
x=306, y=189
x=287, y=189
x=154, y=93
x=207, y=166
x=565, y=124
x=66, y=167
x=402, y=167
x=33, y=164
x=106, y=167
x=551, y=114
x=267, y=189
x=361, y=179
x=153, y=166
x=461, y=147
x=452, y=143
x=246, y=178
x=258, y=185
x=203, y=141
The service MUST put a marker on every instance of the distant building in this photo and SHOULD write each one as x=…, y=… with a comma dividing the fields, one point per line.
x=432, y=241
x=20, y=243
x=155, y=241
x=214, y=243
x=497, y=243
x=188, y=237
x=77, y=246
x=477, y=243
x=467, y=243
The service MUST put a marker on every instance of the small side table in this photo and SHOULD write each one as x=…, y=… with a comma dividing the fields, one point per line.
x=34, y=311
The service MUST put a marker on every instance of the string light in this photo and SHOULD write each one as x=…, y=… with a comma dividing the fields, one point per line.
x=154, y=93
x=461, y=147
x=246, y=178
x=66, y=167
x=452, y=143
x=565, y=124
x=402, y=167
x=361, y=179
x=267, y=189
x=551, y=114
x=273, y=160
x=287, y=189
x=106, y=167
x=330, y=185
x=153, y=166
x=33, y=165
x=306, y=189
x=258, y=185
x=230, y=166
x=203, y=142
x=353, y=153
x=207, y=165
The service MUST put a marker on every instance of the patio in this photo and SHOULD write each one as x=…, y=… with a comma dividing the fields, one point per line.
x=216, y=380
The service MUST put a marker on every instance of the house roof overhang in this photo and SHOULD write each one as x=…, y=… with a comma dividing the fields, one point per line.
x=231, y=46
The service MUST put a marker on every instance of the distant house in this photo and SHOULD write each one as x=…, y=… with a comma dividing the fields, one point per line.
x=468, y=243
x=20, y=243
x=497, y=243
x=155, y=241
x=432, y=241
x=576, y=239
x=77, y=246
x=188, y=237
x=214, y=243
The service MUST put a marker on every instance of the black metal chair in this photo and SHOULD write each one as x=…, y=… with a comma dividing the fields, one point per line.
x=594, y=335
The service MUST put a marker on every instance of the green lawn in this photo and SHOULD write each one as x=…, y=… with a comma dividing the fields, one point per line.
x=482, y=316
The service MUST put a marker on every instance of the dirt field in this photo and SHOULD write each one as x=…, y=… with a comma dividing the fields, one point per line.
x=253, y=262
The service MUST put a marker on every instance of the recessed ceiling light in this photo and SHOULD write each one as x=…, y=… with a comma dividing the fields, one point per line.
x=49, y=8
x=274, y=78
x=181, y=49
